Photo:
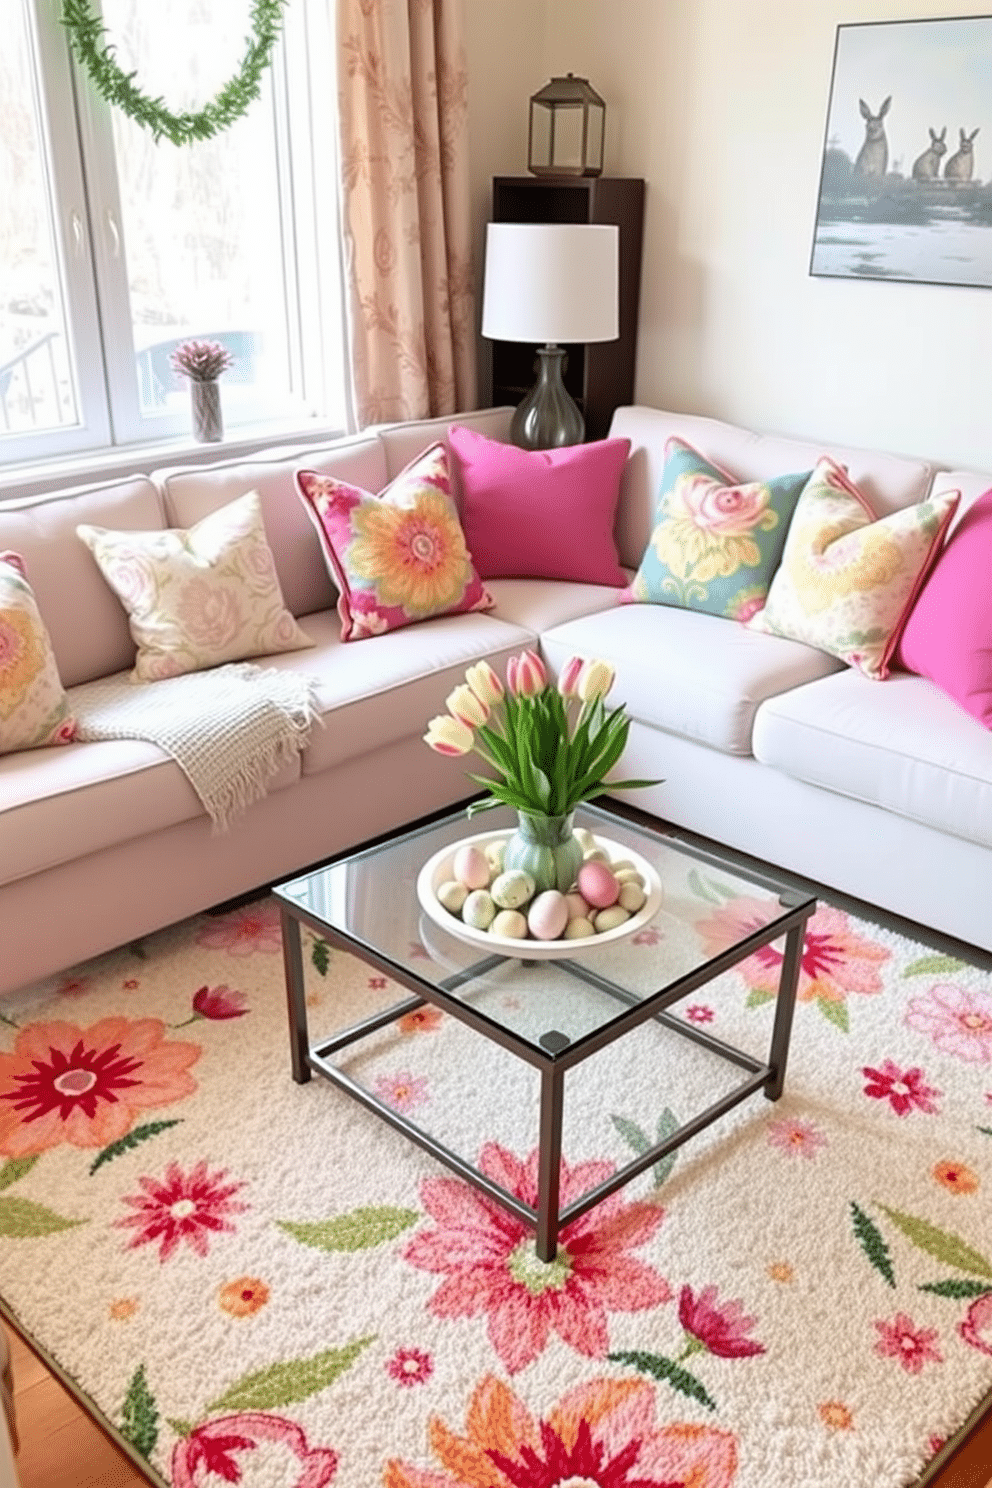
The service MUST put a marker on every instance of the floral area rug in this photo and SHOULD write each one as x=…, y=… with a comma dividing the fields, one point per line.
x=260, y=1283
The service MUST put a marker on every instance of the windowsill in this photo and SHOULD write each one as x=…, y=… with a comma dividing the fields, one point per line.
x=113, y=462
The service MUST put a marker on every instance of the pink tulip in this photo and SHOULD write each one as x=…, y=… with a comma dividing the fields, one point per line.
x=218, y=1003
x=449, y=735
x=568, y=677
x=526, y=674
x=466, y=707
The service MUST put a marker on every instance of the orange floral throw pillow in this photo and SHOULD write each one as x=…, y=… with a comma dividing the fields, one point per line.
x=34, y=709
x=397, y=557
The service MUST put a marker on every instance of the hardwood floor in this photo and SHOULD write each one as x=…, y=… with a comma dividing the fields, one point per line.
x=61, y=1448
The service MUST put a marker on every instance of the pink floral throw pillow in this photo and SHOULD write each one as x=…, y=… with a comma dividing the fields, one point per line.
x=398, y=557
x=34, y=709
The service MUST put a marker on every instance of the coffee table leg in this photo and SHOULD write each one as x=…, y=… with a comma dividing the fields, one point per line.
x=784, y=1009
x=292, y=956
x=549, y=1167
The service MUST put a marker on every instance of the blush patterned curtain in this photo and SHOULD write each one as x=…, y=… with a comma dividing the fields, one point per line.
x=405, y=206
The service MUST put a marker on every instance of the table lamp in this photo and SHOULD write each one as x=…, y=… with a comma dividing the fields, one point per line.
x=554, y=283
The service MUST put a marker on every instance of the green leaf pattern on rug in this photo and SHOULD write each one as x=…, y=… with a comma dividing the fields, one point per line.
x=287, y=1384
x=704, y=888
x=20, y=1219
x=139, y=1419
x=638, y=1139
x=320, y=955
x=15, y=1168
x=362, y=1229
x=933, y=966
x=757, y=997
x=941, y=1244
x=661, y=1368
x=131, y=1139
x=835, y=1012
x=957, y=1289
x=986, y=1131
x=872, y=1244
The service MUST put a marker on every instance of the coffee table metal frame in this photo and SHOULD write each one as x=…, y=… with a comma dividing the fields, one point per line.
x=556, y=1054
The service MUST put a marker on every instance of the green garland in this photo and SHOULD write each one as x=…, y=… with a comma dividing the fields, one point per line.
x=119, y=88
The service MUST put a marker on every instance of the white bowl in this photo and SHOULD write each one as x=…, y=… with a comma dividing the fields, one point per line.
x=437, y=870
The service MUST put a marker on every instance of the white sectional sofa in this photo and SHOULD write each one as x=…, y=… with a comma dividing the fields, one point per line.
x=879, y=790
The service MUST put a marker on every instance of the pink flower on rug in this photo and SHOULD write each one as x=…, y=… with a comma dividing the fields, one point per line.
x=977, y=1326
x=218, y=1003
x=409, y=1367
x=256, y=927
x=421, y=1020
x=210, y=1451
x=602, y=1434
x=797, y=1138
x=722, y=1327
x=402, y=1091
x=913, y=1347
x=903, y=1089
x=699, y=1013
x=181, y=1207
x=835, y=960
x=646, y=937
x=490, y=1266
x=87, y=1086
x=958, y=1021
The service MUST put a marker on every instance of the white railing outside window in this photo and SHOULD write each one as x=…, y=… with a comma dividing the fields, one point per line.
x=114, y=247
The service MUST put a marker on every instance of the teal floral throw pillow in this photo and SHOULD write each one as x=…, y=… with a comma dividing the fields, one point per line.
x=715, y=545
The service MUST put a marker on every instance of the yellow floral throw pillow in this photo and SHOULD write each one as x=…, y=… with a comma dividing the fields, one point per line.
x=34, y=710
x=398, y=557
x=200, y=597
x=848, y=579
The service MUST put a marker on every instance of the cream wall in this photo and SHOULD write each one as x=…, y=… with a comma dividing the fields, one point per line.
x=721, y=105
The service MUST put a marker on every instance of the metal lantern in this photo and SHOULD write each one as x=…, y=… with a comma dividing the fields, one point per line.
x=567, y=125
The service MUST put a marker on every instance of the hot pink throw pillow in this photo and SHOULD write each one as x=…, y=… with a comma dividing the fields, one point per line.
x=544, y=514
x=948, y=636
x=398, y=557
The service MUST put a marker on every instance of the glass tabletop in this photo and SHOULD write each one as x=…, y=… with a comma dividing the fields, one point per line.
x=708, y=907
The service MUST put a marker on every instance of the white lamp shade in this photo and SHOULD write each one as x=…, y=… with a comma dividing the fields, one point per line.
x=551, y=282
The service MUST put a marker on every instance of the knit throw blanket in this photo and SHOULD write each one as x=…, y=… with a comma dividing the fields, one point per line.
x=229, y=729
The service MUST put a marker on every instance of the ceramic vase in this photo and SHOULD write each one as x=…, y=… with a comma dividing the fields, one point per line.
x=545, y=847
x=208, y=422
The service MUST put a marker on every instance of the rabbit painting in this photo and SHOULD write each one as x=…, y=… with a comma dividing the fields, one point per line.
x=926, y=167
x=873, y=157
x=961, y=164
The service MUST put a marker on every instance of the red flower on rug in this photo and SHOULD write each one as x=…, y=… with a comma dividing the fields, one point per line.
x=901, y=1339
x=721, y=1327
x=600, y=1435
x=835, y=960
x=257, y=927
x=903, y=1089
x=86, y=1086
x=490, y=1266
x=977, y=1326
x=182, y=1207
x=218, y=1003
x=210, y=1451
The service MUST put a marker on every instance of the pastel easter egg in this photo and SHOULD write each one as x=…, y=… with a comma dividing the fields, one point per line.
x=494, y=855
x=452, y=895
x=548, y=915
x=610, y=919
x=512, y=889
x=479, y=911
x=597, y=884
x=469, y=866
x=511, y=924
x=585, y=839
x=578, y=908
x=579, y=928
x=627, y=875
x=632, y=897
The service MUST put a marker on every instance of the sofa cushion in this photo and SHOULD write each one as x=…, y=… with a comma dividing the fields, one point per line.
x=688, y=673
x=716, y=541
x=34, y=710
x=905, y=747
x=88, y=629
x=398, y=557
x=198, y=597
x=847, y=580
x=888, y=481
x=540, y=513
x=539, y=604
x=191, y=493
x=402, y=441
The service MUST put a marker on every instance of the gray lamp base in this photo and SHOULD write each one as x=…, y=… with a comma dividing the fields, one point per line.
x=548, y=417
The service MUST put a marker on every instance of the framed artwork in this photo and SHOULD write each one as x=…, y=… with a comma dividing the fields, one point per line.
x=906, y=179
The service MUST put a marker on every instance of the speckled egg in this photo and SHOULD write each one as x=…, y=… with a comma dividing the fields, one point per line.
x=578, y=908
x=548, y=915
x=511, y=924
x=452, y=895
x=579, y=928
x=610, y=919
x=598, y=885
x=494, y=855
x=469, y=866
x=512, y=889
x=479, y=911
x=632, y=897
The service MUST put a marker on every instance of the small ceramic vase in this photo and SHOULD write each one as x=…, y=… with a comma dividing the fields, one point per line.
x=546, y=848
x=208, y=422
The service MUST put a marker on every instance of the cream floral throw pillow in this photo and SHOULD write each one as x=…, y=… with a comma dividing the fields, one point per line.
x=848, y=579
x=34, y=709
x=201, y=597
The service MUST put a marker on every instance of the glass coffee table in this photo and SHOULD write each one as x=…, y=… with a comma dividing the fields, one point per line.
x=562, y=1010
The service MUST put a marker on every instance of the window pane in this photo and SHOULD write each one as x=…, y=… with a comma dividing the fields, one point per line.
x=37, y=386
x=202, y=226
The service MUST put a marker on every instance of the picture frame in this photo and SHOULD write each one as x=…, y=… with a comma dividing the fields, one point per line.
x=906, y=176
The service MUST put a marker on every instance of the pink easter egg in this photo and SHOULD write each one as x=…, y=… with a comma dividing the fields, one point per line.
x=469, y=867
x=598, y=885
x=548, y=915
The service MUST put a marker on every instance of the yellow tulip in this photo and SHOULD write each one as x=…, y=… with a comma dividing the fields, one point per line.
x=484, y=683
x=449, y=735
x=595, y=680
x=466, y=707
